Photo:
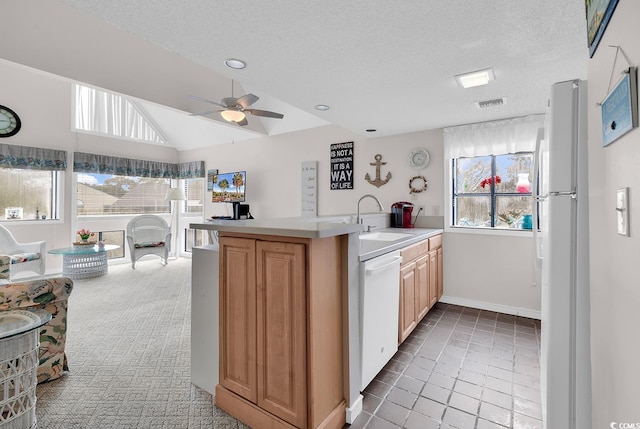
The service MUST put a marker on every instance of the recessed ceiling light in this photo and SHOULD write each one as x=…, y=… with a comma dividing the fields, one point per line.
x=476, y=78
x=235, y=63
x=371, y=130
x=322, y=107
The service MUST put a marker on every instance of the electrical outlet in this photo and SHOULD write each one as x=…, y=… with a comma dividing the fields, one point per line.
x=435, y=210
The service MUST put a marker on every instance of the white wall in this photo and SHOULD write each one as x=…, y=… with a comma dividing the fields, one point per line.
x=615, y=288
x=273, y=171
x=492, y=272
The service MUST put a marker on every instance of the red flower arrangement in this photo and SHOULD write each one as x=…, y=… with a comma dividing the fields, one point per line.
x=490, y=180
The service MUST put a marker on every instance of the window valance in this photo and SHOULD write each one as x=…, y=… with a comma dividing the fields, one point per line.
x=32, y=158
x=492, y=138
x=191, y=169
x=104, y=164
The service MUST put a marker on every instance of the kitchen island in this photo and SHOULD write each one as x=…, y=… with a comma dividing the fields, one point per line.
x=290, y=319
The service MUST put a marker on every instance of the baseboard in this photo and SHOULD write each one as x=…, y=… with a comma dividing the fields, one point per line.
x=354, y=410
x=498, y=308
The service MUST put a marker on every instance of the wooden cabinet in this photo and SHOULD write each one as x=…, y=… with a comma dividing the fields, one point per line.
x=407, y=315
x=435, y=251
x=281, y=331
x=420, y=283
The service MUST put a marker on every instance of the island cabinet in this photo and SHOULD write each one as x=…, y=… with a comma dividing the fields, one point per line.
x=281, y=340
x=420, y=283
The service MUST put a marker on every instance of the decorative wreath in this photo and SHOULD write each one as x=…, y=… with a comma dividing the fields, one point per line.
x=413, y=189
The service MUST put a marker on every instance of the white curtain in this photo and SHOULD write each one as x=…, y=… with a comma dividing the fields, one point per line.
x=492, y=138
x=106, y=113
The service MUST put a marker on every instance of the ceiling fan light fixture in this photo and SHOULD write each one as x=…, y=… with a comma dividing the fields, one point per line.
x=476, y=78
x=232, y=115
x=235, y=63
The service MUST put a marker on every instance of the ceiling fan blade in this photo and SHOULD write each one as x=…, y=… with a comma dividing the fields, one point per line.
x=265, y=113
x=208, y=112
x=204, y=100
x=243, y=122
x=247, y=100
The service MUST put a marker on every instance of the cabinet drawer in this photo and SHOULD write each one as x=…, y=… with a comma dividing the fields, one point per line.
x=435, y=242
x=410, y=253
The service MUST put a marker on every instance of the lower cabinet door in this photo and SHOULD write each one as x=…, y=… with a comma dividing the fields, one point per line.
x=238, y=316
x=408, y=314
x=439, y=276
x=281, y=330
x=423, y=299
x=433, y=278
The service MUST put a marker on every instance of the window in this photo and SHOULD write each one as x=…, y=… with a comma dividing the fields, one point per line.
x=193, y=237
x=113, y=237
x=108, y=194
x=110, y=185
x=28, y=194
x=492, y=191
x=103, y=112
x=29, y=182
x=194, y=192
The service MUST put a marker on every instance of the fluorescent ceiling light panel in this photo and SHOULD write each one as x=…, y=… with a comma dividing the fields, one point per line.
x=476, y=78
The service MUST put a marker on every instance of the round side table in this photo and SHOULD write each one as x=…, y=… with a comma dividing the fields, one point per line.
x=19, y=342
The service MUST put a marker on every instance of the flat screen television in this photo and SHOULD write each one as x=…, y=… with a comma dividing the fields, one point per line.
x=229, y=187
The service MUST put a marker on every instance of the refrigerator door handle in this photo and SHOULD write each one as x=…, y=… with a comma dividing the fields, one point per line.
x=571, y=194
x=536, y=197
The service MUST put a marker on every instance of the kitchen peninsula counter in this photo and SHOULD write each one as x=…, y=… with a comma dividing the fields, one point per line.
x=284, y=287
x=341, y=241
x=284, y=227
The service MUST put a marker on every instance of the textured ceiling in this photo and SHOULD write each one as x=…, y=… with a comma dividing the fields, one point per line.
x=386, y=65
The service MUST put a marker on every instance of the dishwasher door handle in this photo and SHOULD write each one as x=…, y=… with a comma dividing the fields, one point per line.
x=373, y=270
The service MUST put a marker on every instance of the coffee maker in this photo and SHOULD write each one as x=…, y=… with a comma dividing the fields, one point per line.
x=401, y=215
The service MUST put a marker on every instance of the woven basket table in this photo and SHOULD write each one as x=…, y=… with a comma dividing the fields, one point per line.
x=19, y=342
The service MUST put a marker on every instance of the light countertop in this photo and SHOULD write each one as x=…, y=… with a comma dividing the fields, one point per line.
x=321, y=228
x=371, y=248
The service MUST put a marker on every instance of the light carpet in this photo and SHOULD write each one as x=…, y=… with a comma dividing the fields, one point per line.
x=128, y=345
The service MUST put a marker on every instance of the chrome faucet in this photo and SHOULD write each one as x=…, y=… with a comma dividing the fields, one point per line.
x=358, y=220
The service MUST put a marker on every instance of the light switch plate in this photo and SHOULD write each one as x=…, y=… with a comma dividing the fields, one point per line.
x=622, y=211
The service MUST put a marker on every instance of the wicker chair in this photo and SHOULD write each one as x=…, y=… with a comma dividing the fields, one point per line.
x=148, y=235
x=20, y=256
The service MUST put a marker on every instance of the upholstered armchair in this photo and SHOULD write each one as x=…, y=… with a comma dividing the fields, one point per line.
x=16, y=257
x=148, y=235
x=50, y=295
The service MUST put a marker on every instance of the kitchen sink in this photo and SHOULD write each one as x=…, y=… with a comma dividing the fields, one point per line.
x=384, y=236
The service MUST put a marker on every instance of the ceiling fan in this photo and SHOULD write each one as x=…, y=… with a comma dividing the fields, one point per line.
x=235, y=109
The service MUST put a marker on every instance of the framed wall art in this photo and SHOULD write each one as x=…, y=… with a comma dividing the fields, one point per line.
x=598, y=15
x=620, y=108
x=212, y=178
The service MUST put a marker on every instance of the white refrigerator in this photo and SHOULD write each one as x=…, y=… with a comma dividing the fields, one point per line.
x=562, y=251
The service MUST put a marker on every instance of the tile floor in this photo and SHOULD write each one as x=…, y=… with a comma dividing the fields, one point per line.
x=460, y=368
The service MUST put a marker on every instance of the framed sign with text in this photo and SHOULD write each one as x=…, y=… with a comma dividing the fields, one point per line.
x=341, y=166
x=620, y=108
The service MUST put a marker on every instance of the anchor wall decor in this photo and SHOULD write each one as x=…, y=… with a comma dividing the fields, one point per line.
x=378, y=181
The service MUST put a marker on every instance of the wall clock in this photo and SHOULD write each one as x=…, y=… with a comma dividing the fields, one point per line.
x=418, y=158
x=9, y=122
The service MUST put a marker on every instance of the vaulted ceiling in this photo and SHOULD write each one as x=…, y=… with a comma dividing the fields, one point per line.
x=380, y=65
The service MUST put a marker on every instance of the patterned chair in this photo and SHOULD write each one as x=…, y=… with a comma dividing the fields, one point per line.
x=51, y=295
x=17, y=257
x=148, y=235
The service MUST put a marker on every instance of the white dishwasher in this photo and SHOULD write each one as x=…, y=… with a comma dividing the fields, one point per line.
x=380, y=294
